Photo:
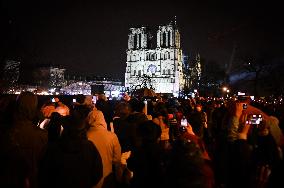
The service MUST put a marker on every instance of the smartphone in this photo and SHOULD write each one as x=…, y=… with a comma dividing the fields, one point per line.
x=53, y=100
x=245, y=106
x=255, y=119
x=183, y=122
x=74, y=100
x=94, y=99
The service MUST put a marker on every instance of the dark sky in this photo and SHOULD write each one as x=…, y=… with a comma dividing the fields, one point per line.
x=91, y=38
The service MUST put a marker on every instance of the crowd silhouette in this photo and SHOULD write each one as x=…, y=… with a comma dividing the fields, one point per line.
x=139, y=142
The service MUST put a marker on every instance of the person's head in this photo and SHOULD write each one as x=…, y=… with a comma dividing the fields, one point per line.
x=137, y=105
x=198, y=107
x=26, y=105
x=122, y=109
x=56, y=99
x=88, y=101
x=149, y=131
x=47, y=109
x=102, y=97
x=76, y=125
x=62, y=110
x=80, y=98
x=271, y=125
x=54, y=127
x=126, y=97
x=96, y=119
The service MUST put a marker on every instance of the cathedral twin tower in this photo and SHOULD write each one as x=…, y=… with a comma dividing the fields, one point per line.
x=160, y=60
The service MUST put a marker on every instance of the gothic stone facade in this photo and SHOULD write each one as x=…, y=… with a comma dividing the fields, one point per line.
x=163, y=63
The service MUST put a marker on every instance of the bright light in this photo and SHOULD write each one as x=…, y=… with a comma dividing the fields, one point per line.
x=115, y=93
x=228, y=91
x=241, y=93
x=225, y=88
x=52, y=90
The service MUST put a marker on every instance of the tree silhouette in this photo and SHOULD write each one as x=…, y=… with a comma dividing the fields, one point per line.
x=257, y=64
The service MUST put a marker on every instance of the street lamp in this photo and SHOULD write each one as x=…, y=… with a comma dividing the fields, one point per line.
x=226, y=91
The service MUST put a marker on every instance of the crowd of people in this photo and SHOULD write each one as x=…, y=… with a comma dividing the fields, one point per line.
x=139, y=142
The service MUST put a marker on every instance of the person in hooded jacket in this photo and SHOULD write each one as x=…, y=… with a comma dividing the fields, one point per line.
x=27, y=141
x=146, y=160
x=108, y=146
x=72, y=160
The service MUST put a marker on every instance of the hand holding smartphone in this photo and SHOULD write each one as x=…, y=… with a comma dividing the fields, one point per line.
x=254, y=119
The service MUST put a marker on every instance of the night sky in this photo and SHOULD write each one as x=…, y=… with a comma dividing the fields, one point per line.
x=91, y=37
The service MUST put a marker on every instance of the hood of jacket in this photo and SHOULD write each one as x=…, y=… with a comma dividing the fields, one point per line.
x=26, y=106
x=273, y=124
x=96, y=120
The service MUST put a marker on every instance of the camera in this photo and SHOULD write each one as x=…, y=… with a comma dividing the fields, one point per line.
x=245, y=106
x=74, y=100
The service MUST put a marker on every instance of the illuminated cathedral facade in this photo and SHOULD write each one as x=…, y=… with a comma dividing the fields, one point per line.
x=159, y=58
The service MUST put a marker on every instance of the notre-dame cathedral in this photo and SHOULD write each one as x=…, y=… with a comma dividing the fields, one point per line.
x=159, y=59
